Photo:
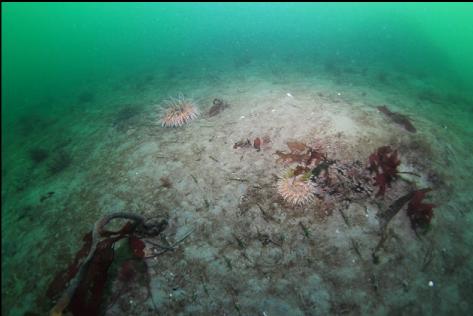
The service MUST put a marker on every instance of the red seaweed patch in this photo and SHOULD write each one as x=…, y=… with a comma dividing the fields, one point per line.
x=420, y=213
x=257, y=143
x=384, y=163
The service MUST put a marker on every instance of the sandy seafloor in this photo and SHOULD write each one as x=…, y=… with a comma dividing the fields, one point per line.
x=120, y=153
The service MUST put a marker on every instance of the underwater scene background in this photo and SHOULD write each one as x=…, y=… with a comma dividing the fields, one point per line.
x=269, y=158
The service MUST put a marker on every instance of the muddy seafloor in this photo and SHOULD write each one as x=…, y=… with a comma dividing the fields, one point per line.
x=249, y=251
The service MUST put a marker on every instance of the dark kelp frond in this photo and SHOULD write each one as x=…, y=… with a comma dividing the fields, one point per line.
x=398, y=118
x=419, y=213
x=80, y=288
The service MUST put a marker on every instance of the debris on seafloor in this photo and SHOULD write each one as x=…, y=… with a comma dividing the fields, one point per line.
x=165, y=182
x=300, y=153
x=257, y=143
x=398, y=118
x=218, y=106
x=266, y=139
x=295, y=146
x=246, y=143
x=337, y=182
x=384, y=163
x=386, y=216
x=242, y=144
x=316, y=175
x=420, y=213
x=213, y=158
x=298, y=170
x=80, y=288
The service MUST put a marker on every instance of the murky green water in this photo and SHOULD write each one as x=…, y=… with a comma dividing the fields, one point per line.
x=63, y=62
x=52, y=48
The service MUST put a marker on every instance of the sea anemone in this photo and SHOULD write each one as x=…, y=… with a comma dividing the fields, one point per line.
x=296, y=189
x=179, y=111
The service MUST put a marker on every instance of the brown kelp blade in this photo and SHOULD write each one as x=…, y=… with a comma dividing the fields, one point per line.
x=398, y=118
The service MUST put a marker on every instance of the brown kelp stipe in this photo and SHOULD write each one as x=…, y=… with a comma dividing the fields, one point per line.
x=87, y=281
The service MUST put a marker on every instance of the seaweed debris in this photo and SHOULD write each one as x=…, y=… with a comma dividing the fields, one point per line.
x=242, y=144
x=218, y=106
x=420, y=213
x=300, y=153
x=165, y=182
x=257, y=143
x=398, y=118
x=384, y=163
x=81, y=286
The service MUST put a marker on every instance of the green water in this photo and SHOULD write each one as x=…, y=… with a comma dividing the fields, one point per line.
x=52, y=48
x=54, y=53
